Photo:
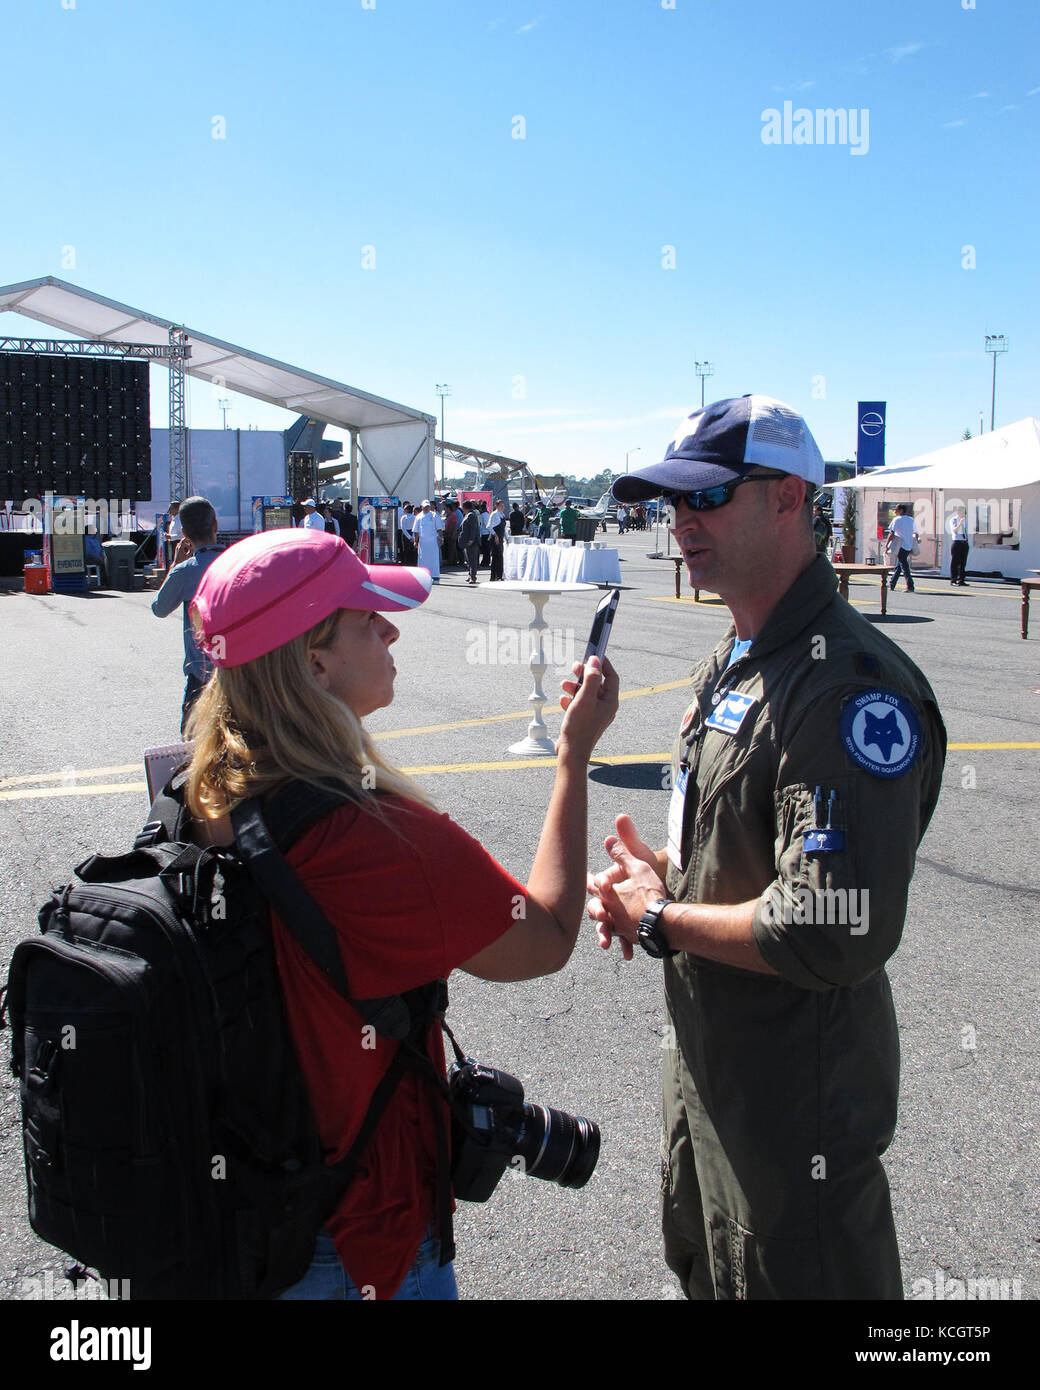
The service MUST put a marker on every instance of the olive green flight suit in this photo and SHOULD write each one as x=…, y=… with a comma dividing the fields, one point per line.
x=780, y=1093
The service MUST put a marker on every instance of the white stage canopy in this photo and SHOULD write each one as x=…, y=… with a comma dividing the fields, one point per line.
x=87, y=315
x=1005, y=458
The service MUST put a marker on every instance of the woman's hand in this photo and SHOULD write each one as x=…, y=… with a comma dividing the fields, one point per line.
x=590, y=710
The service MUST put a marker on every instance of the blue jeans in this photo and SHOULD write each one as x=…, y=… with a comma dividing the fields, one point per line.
x=902, y=565
x=327, y=1279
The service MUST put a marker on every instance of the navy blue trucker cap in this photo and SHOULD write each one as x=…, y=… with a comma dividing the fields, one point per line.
x=724, y=441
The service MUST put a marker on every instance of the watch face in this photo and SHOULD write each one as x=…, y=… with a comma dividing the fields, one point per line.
x=646, y=940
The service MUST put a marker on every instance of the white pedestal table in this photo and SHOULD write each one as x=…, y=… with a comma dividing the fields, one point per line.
x=537, y=743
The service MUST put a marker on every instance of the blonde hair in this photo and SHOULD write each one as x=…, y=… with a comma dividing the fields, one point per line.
x=268, y=722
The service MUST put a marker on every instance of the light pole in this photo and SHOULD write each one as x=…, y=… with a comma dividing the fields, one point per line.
x=442, y=391
x=629, y=453
x=995, y=343
x=703, y=370
x=224, y=405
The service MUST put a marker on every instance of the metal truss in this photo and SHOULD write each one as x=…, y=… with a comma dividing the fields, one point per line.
x=178, y=353
x=69, y=347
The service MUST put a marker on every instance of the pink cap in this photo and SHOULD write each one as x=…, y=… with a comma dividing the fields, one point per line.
x=267, y=589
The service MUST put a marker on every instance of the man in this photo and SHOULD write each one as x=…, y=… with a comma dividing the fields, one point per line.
x=348, y=527
x=517, y=521
x=959, y=547
x=901, y=538
x=469, y=539
x=331, y=524
x=569, y=522
x=485, y=535
x=821, y=529
x=426, y=535
x=449, y=555
x=173, y=532
x=311, y=518
x=544, y=520
x=195, y=552
x=407, y=554
x=622, y=517
x=805, y=772
x=497, y=537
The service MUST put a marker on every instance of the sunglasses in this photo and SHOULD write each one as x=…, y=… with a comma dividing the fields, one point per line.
x=709, y=498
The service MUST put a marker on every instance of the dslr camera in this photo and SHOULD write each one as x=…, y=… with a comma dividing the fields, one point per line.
x=493, y=1128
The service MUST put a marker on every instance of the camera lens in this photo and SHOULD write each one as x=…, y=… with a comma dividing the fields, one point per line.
x=558, y=1147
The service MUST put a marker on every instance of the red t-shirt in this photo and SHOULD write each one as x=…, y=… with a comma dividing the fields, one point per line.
x=409, y=901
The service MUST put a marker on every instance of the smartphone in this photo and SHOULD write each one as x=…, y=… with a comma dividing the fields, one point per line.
x=601, y=625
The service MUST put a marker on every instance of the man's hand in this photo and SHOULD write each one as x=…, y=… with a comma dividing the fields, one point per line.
x=622, y=893
x=185, y=550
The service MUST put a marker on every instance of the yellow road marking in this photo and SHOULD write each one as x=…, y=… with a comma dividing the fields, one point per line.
x=95, y=789
x=521, y=714
x=613, y=760
x=960, y=747
x=714, y=602
x=71, y=774
x=431, y=769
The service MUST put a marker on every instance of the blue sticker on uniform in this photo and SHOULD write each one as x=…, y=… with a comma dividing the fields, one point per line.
x=824, y=841
x=881, y=732
x=728, y=714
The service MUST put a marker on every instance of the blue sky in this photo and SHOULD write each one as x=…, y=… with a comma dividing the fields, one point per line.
x=533, y=274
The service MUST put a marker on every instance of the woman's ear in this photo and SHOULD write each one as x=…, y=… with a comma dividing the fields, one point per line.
x=316, y=662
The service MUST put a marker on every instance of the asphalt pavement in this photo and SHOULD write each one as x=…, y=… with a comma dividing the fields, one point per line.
x=88, y=682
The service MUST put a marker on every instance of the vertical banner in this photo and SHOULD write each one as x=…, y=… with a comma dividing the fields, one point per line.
x=870, y=436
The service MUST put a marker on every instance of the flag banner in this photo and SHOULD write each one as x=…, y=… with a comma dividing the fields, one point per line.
x=870, y=436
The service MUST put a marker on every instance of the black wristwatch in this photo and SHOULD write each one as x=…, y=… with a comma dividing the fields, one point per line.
x=651, y=937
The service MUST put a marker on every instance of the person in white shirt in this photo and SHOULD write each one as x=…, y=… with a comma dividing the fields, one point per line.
x=901, y=538
x=496, y=535
x=485, y=537
x=408, y=555
x=426, y=536
x=959, y=548
x=311, y=518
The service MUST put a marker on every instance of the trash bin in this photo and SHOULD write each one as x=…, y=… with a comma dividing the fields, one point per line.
x=119, y=561
x=587, y=528
x=37, y=579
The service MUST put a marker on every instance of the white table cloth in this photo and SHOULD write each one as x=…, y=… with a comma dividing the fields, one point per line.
x=562, y=564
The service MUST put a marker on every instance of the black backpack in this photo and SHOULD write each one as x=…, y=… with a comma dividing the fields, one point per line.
x=169, y=1138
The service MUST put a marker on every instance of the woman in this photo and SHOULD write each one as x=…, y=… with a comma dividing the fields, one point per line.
x=293, y=622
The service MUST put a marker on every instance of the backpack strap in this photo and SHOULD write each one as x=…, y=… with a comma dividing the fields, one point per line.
x=304, y=919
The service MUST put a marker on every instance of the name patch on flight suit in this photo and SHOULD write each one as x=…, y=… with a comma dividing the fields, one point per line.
x=729, y=713
x=881, y=732
x=676, y=807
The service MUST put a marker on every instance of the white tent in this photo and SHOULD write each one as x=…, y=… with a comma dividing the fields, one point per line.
x=993, y=480
x=395, y=442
